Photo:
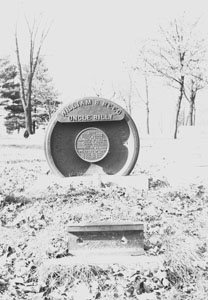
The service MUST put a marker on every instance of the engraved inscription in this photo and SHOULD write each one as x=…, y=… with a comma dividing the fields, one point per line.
x=78, y=118
x=75, y=105
x=86, y=102
x=91, y=110
x=92, y=144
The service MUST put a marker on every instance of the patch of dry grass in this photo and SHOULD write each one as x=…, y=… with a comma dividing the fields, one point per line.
x=176, y=226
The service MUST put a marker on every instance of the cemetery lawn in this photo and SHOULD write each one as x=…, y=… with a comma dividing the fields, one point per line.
x=35, y=213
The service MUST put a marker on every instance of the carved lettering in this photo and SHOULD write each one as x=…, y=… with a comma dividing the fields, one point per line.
x=75, y=118
x=67, y=110
x=76, y=105
x=112, y=107
x=88, y=102
x=81, y=103
x=101, y=110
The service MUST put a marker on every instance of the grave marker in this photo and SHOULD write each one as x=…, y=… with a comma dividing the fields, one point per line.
x=95, y=136
x=91, y=132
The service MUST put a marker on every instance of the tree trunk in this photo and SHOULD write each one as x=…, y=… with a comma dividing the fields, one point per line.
x=129, y=108
x=194, y=115
x=130, y=95
x=33, y=127
x=177, y=116
x=178, y=108
x=28, y=120
x=147, y=118
x=191, y=111
x=147, y=104
x=191, y=114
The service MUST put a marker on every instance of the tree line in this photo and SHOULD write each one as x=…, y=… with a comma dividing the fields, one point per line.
x=177, y=55
x=27, y=91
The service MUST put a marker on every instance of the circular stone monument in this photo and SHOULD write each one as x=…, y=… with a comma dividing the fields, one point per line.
x=91, y=136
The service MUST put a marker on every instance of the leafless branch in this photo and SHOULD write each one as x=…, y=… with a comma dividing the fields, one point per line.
x=20, y=70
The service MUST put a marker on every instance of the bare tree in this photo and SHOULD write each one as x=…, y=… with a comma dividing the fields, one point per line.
x=145, y=99
x=175, y=55
x=37, y=37
x=98, y=90
x=195, y=83
x=126, y=96
x=141, y=68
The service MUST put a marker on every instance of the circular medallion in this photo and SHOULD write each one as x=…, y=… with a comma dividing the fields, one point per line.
x=92, y=144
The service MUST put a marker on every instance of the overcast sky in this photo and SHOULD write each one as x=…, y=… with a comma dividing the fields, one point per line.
x=90, y=40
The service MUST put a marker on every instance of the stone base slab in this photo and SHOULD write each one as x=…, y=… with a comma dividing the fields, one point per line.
x=139, y=182
x=141, y=261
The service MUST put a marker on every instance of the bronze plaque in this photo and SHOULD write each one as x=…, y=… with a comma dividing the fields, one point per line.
x=92, y=144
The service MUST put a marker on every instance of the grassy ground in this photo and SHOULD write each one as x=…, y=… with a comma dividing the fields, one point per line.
x=34, y=226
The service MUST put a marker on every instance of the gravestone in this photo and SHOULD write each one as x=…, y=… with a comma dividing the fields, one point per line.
x=91, y=136
x=95, y=136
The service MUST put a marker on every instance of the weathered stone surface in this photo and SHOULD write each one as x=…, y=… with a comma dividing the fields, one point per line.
x=91, y=110
x=141, y=261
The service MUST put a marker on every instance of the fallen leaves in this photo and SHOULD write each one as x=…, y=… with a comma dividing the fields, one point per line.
x=34, y=228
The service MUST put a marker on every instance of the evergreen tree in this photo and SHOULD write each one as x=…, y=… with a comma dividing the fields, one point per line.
x=10, y=96
x=44, y=97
